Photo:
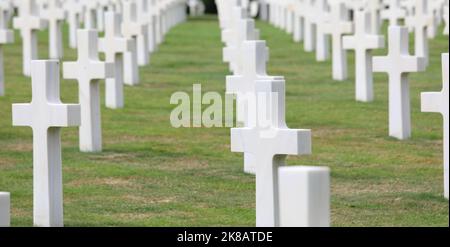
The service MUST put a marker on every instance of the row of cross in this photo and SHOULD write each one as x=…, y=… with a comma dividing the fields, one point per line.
x=356, y=25
x=132, y=31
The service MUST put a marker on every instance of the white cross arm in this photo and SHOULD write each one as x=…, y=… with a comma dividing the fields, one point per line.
x=31, y=22
x=370, y=42
x=291, y=141
x=96, y=70
x=121, y=45
x=134, y=29
x=60, y=115
x=406, y=63
x=432, y=102
x=235, y=83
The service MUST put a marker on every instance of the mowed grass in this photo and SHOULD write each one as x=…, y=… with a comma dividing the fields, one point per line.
x=151, y=174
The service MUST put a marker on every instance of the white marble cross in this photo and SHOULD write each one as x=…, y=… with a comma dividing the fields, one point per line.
x=46, y=115
x=88, y=70
x=90, y=14
x=29, y=23
x=140, y=17
x=131, y=29
x=245, y=30
x=310, y=26
x=254, y=58
x=229, y=34
x=114, y=45
x=6, y=37
x=394, y=13
x=398, y=64
x=363, y=42
x=74, y=10
x=152, y=42
x=54, y=14
x=269, y=140
x=337, y=26
x=374, y=7
x=322, y=17
x=420, y=22
x=5, y=209
x=439, y=102
x=299, y=20
x=144, y=16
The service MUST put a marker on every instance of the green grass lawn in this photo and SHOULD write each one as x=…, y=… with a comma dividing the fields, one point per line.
x=151, y=174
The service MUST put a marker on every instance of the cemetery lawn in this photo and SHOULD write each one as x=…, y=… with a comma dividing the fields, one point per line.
x=151, y=174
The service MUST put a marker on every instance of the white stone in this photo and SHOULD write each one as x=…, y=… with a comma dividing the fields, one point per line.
x=322, y=17
x=29, y=23
x=269, y=140
x=374, y=7
x=6, y=37
x=46, y=115
x=254, y=57
x=309, y=27
x=304, y=196
x=114, y=45
x=439, y=103
x=394, y=13
x=5, y=209
x=229, y=34
x=363, y=42
x=152, y=46
x=245, y=30
x=54, y=14
x=142, y=18
x=337, y=26
x=131, y=29
x=299, y=20
x=90, y=14
x=74, y=10
x=88, y=70
x=420, y=23
x=398, y=64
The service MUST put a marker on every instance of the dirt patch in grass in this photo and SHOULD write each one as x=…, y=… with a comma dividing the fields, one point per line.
x=110, y=157
x=149, y=199
x=181, y=164
x=114, y=182
x=6, y=162
x=23, y=146
x=358, y=188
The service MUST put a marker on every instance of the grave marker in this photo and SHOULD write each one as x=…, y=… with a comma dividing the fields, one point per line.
x=439, y=102
x=6, y=37
x=29, y=23
x=394, y=13
x=88, y=70
x=337, y=27
x=5, y=208
x=114, y=45
x=54, y=14
x=131, y=29
x=398, y=64
x=269, y=143
x=255, y=57
x=363, y=42
x=46, y=115
x=420, y=23
x=74, y=10
x=304, y=196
